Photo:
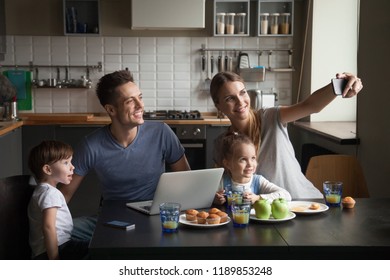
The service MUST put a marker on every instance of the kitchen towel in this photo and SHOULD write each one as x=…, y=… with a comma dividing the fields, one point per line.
x=22, y=81
x=18, y=79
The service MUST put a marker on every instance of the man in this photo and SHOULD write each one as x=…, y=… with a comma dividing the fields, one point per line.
x=129, y=155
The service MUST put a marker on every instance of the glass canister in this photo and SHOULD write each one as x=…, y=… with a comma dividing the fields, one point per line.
x=241, y=23
x=274, y=19
x=285, y=23
x=264, y=23
x=230, y=23
x=221, y=23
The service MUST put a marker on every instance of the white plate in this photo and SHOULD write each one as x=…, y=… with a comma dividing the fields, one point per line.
x=184, y=221
x=302, y=207
x=271, y=219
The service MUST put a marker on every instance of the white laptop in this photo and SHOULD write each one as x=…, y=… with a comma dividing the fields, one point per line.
x=192, y=189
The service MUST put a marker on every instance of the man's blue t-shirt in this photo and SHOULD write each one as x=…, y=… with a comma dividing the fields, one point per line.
x=130, y=173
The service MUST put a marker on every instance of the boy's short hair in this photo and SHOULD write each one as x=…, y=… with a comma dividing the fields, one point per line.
x=47, y=152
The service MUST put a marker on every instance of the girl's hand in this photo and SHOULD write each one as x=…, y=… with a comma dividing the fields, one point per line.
x=250, y=196
x=353, y=86
x=219, y=197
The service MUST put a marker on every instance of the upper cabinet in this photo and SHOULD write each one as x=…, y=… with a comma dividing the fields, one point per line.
x=231, y=18
x=258, y=18
x=167, y=14
x=81, y=17
x=275, y=18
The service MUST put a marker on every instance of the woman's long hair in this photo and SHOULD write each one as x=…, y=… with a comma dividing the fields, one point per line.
x=254, y=129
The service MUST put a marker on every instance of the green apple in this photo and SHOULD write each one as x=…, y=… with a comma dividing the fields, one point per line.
x=262, y=209
x=279, y=208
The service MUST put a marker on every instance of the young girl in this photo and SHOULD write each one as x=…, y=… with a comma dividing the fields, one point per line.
x=240, y=162
x=50, y=220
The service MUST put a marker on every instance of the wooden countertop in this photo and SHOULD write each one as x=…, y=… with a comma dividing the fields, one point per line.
x=343, y=133
x=92, y=119
x=6, y=127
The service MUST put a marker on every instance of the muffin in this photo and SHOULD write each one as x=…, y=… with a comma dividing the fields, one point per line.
x=223, y=215
x=348, y=202
x=213, y=219
x=191, y=215
x=201, y=217
x=314, y=206
x=214, y=211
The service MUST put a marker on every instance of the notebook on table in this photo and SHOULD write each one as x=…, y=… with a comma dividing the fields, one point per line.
x=192, y=189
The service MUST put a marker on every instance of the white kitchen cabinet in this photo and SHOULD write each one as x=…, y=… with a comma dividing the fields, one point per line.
x=224, y=10
x=81, y=17
x=275, y=9
x=167, y=14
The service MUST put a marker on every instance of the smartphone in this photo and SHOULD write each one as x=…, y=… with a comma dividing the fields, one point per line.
x=120, y=224
x=339, y=85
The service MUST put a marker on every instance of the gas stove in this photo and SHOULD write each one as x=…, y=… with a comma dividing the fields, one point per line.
x=172, y=115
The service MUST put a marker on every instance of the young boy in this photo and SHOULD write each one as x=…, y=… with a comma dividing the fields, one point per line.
x=240, y=161
x=50, y=220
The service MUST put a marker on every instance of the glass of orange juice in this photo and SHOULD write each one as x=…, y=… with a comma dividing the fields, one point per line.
x=333, y=191
x=240, y=213
x=169, y=214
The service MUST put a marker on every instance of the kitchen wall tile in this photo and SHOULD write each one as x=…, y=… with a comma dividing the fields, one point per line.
x=94, y=59
x=148, y=76
x=78, y=100
x=94, y=45
x=42, y=97
x=93, y=104
x=164, y=104
x=61, y=97
x=131, y=58
x=165, y=85
x=77, y=58
x=167, y=69
x=164, y=59
x=147, y=58
x=112, y=45
x=147, y=45
x=130, y=45
x=182, y=104
x=113, y=58
x=23, y=50
x=164, y=67
x=77, y=45
x=111, y=67
x=147, y=85
x=181, y=85
x=165, y=93
x=147, y=67
x=164, y=76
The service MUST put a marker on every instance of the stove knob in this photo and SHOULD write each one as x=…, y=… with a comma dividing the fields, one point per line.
x=184, y=132
x=196, y=131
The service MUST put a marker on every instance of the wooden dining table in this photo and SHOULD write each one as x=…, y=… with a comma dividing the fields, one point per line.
x=337, y=233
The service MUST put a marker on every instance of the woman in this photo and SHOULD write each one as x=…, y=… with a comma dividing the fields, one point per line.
x=268, y=128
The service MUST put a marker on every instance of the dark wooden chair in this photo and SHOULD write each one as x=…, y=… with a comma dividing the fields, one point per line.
x=15, y=194
x=344, y=168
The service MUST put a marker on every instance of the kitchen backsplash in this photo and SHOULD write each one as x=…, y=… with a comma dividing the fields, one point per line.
x=167, y=69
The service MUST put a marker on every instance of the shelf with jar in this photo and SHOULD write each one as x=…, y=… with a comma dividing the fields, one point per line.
x=275, y=17
x=81, y=17
x=231, y=17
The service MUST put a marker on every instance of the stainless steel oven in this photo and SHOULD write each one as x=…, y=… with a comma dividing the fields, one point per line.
x=193, y=139
x=191, y=136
